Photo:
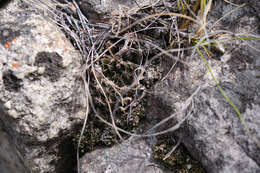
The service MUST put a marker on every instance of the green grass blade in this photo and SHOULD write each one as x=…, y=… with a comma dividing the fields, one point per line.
x=179, y=5
x=228, y=99
x=246, y=38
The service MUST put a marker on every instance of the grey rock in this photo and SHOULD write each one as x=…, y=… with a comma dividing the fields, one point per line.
x=39, y=86
x=9, y=158
x=213, y=133
x=133, y=155
x=102, y=10
x=108, y=6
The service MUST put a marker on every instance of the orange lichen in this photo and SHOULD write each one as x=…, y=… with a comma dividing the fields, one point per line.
x=15, y=65
x=15, y=39
x=8, y=44
x=72, y=6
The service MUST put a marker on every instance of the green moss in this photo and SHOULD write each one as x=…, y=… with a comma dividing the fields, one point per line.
x=96, y=134
x=179, y=161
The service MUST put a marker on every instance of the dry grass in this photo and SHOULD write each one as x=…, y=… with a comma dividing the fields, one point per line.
x=132, y=43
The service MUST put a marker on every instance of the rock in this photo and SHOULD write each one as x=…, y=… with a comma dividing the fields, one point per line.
x=101, y=10
x=213, y=133
x=39, y=87
x=9, y=158
x=106, y=6
x=133, y=155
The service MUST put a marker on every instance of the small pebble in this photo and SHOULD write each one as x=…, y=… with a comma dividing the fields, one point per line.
x=41, y=70
x=8, y=105
x=13, y=114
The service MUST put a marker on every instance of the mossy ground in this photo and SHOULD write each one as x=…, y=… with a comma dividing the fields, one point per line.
x=179, y=161
x=99, y=135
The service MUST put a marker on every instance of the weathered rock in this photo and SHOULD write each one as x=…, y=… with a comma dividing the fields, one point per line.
x=108, y=6
x=213, y=133
x=9, y=158
x=39, y=86
x=132, y=155
x=101, y=10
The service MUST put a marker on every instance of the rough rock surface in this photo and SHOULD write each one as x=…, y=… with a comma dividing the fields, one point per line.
x=132, y=155
x=102, y=10
x=9, y=160
x=213, y=133
x=39, y=86
x=108, y=6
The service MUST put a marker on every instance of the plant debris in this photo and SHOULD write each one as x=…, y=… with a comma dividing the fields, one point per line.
x=121, y=59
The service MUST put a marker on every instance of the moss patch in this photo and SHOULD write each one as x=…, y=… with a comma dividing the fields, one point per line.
x=99, y=135
x=179, y=161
